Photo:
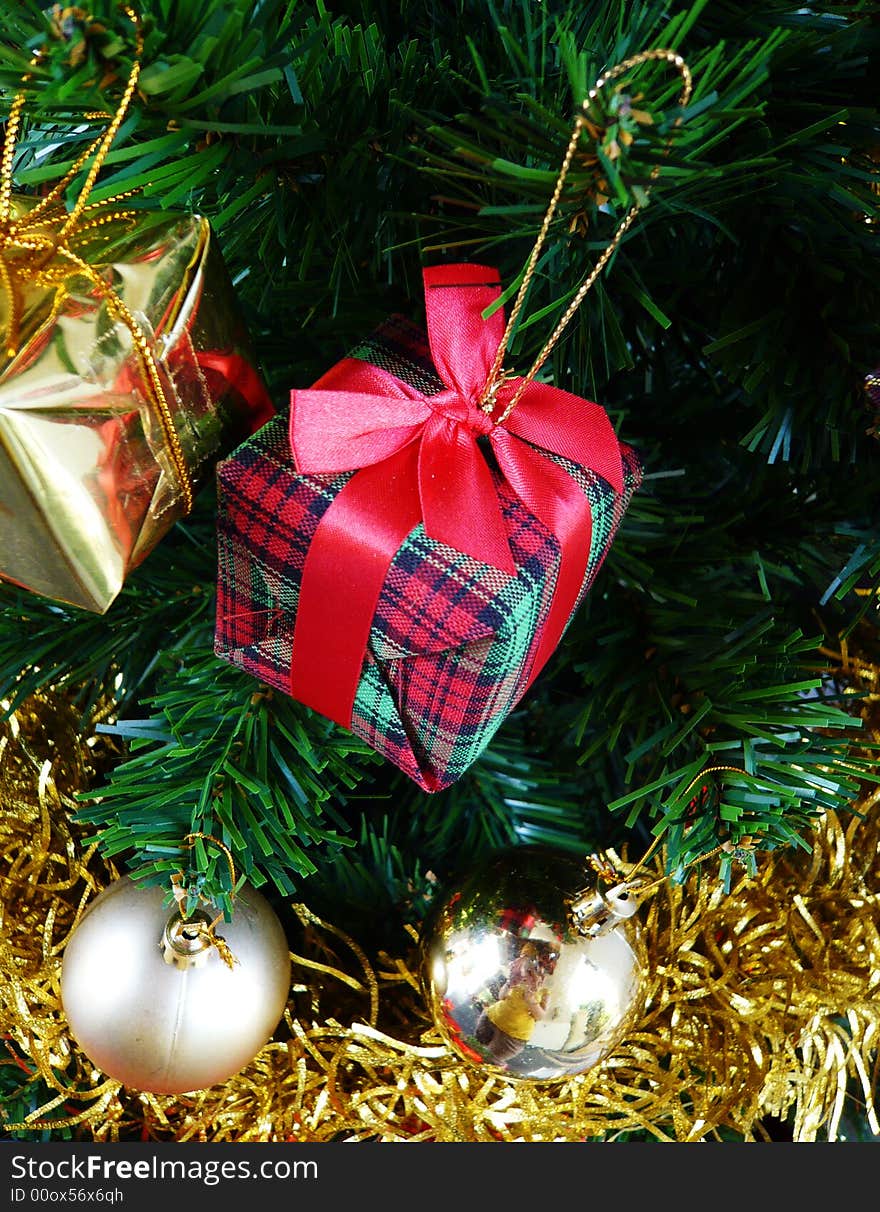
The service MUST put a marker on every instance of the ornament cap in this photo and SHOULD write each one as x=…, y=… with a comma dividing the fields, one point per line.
x=186, y=942
x=594, y=912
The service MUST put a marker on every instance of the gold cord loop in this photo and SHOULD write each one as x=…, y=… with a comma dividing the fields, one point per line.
x=36, y=248
x=633, y=883
x=190, y=840
x=207, y=930
x=487, y=402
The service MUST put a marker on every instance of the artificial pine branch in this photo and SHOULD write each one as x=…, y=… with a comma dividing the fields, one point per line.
x=335, y=150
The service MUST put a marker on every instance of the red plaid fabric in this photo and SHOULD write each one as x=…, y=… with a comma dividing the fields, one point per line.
x=452, y=640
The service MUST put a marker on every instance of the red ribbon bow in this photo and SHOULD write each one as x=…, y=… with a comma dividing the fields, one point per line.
x=418, y=460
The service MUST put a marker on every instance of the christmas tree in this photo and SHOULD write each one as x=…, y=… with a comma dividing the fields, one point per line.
x=713, y=692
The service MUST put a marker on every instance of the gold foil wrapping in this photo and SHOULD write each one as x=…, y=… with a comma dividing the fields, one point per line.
x=89, y=481
x=761, y=1001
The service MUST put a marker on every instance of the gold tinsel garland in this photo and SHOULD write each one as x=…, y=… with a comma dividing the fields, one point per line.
x=764, y=1000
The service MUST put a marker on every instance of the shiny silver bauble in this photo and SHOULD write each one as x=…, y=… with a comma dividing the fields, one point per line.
x=514, y=985
x=156, y=1006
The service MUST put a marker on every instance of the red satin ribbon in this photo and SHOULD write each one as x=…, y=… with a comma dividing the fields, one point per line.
x=418, y=461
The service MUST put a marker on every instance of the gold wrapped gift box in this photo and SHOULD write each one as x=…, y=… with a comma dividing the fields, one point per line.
x=125, y=382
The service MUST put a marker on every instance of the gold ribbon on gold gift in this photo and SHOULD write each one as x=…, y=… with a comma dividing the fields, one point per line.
x=39, y=248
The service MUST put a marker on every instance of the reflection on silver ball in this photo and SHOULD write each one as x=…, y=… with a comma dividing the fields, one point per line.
x=171, y=1016
x=512, y=985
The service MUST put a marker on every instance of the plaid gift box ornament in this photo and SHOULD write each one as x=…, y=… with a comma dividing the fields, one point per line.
x=127, y=373
x=405, y=551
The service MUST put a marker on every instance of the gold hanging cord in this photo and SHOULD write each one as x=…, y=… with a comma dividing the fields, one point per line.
x=496, y=376
x=205, y=930
x=31, y=253
x=607, y=871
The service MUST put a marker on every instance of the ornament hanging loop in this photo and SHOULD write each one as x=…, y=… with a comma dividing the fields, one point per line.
x=188, y=937
x=190, y=840
x=595, y=911
x=488, y=400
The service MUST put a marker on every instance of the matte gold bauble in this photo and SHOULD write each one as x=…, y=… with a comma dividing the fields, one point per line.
x=519, y=983
x=153, y=1003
